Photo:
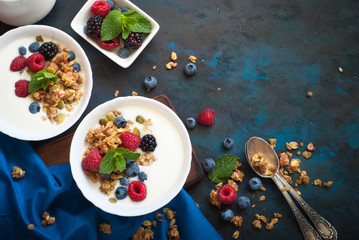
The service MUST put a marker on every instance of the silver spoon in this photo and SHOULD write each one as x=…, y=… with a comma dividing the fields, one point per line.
x=326, y=230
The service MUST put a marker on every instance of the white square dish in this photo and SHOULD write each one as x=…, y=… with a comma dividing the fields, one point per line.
x=84, y=14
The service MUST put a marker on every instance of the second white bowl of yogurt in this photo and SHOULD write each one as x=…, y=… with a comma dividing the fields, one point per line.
x=165, y=176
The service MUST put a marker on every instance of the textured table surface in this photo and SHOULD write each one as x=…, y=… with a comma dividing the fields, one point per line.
x=256, y=62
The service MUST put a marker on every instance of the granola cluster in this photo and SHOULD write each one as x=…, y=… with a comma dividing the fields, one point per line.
x=64, y=93
x=17, y=172
x=259, y=163
x=262, y=219
x=105, y=228
x=47, y=220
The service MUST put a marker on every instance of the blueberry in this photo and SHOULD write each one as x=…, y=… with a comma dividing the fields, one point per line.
x=120, y=122
x=34, y=107
x=112, y=4
x=22, y=50
x=124, y=52
x=255, y=183
x=227, y=215
x=243, y=202
x=72, y=56
x=142, y=176
x=132, y=170
x=150, y=82
x=76, y=67
x=129, y=162
x=121, y=193
x=209, y=164
x=124, y=181
x=105, y=175
x=227, y=143
x=190, y=69
x=34, y=47
x=85, y=30
x=125, y=9
x=190, y=123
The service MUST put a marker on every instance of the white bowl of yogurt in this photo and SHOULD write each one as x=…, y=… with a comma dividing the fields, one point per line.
x=15, y=117
x=166, y=176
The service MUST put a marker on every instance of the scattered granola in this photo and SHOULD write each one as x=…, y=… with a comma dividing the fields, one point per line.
x=169, y=213
x=270, y=225
x=173, y=233
x=116, y=93
x=309, y=94
x=134, y=93
x=17, y=172
x=154, y=68
x=285, y=189
x=105, y=228
x=340, y=69
x=306, y=154
x=328, y=184
x=213, y=198
x=143, y=234
x=257, y=224
x=235, y=235
x=310, y=147
x=277, y=215
x=173, y=56
x=112, y=200
x=262, y=198
x=262, y=188
x=47, y=220
x=171, y=65
x=192, y=58
x=261, y=218
x=237, y=221
x=317, y=182
x=31, y=227
x=272, y=142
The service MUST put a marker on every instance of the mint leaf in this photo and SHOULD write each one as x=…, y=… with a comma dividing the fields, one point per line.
x=143, y=24
x=125, y=33
x=129, y=12
x=107, y=164
x=41, y=79
x=120, y=162
x=115, y=158
x=111, y=25
x=224, y=168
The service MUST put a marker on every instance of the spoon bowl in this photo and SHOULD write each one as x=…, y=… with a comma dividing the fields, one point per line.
x=257, y=145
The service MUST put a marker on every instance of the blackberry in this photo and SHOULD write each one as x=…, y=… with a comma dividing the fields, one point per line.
x=148, y=143
x=94, y=24
x=48, y=50
x=134, y=40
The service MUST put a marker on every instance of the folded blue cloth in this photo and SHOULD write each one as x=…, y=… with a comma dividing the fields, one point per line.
x=52, y=189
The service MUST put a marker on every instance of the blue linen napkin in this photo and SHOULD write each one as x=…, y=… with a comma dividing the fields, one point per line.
x=52, y=189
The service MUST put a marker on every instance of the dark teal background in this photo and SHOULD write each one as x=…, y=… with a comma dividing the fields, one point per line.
x=264, y=55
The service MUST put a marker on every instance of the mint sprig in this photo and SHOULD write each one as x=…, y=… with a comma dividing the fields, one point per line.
x=41, y=79
x=115, y=158
x=224, y=168
x=117, y=22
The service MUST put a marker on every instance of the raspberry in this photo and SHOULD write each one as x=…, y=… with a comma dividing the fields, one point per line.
x=35, y=62
x=101, y=8
x=137, y=191
x=108, y=45
x=92, y=161
x=227, y=194
x=206, y=117
x=22, y=88
x=18, y=64
x=130, y=141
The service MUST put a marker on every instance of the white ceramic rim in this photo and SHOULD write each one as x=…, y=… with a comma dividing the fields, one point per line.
x=78, y=145
x=65, y=40
x=83, y=15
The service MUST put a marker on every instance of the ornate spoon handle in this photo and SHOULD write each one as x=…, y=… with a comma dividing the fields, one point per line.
x=325, y=229
x=308, y=231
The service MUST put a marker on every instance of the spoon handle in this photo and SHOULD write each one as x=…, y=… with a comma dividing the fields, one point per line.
x=325, y=229
x=308, y=231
